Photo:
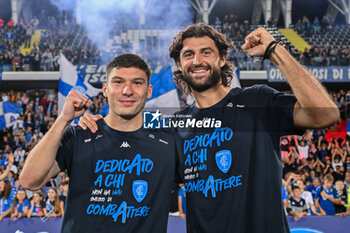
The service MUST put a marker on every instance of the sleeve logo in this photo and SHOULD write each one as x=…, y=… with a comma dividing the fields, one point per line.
x=139, y=189
x=223, y=160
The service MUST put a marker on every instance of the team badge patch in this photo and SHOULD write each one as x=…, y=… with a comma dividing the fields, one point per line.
x=223, y=160
x=139, y=189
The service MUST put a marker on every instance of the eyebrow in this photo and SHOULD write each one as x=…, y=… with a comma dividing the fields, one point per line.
x=134, y=78
x=202, y=49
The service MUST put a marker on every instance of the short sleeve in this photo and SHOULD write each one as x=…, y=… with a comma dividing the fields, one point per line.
x=280, y=110
x=66, y=149
x=309, y=199
x=284, y=193
x=27, y=203
x=318, y=192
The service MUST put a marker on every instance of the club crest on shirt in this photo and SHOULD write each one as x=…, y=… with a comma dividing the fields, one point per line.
x=223, y=160
x=139, y=189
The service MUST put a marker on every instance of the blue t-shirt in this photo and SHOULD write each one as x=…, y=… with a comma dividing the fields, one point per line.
x=284, y=193
x=21, y=205
x=311, y=189
x=325, y=203
x=5, y=203
x=182, y=194
x=37, y=211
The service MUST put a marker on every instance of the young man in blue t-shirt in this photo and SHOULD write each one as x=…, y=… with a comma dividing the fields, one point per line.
x=120, y=176
x=327, y=196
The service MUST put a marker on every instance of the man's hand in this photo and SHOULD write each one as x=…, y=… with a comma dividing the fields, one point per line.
x=324, y=194
x=296, y=217
x=89, y=121
x=182, y=215
x=323, y=213
x=11, y=159
x=74, y=106
x=257, y=41
x=344, y=214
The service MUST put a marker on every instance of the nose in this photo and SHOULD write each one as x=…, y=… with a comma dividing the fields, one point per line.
x=197, y=59
x=127, y=90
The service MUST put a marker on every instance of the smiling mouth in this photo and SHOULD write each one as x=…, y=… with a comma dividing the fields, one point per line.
x=128, y=102
x=199, y=72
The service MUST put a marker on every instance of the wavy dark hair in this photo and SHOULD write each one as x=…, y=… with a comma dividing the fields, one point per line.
x=200, y=30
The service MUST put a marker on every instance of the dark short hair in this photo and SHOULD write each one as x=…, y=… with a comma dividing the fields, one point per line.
x=64, y=182
x=128, y=60
x=294, y=187
x=200, y=30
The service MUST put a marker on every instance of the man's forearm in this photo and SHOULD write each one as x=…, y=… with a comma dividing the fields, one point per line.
x=335, y=201
x=41, y=159
x=311, y=95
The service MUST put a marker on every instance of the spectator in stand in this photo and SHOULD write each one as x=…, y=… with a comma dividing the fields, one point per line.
x=297, y=206
x=37, y=205
x=7, y=62
x=182, y=201
x=299, y=27
x=313, y=187
x=307, y=57
x=19, y=155
x=55, y=61
x=17, y=62
x=342, y=194
x=236, y=31
x=241, y=57
x=284, y=197
x=307, y=26
x=338, y=174
x=303, y=148
x=231, y=56
x=323, y=149
x=46, y=60
x=5, y=173
x=6, y=198
x=218, y=24
x=20, y=205
x=64, y=192
x=327, y=196
x=326, y=23
x=317, y=26
x=52, y=204
x=35, y=58
x=346, y=163
x=307, y=196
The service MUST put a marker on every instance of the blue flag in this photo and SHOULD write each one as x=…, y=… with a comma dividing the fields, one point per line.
x=8, y=114
x=71, y=79
x=164, y=93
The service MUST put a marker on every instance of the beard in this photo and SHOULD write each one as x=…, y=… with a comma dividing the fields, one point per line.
x=212, y=80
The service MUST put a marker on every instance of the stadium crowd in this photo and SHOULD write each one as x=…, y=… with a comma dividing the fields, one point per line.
x=62, y=33
x=315, y=162
x=318, y=55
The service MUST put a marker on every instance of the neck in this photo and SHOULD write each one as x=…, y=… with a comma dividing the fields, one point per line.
x=211, y=96
x=121, y=124
x=297, y=198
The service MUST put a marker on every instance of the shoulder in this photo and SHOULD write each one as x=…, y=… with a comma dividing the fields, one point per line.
x=308, y=194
